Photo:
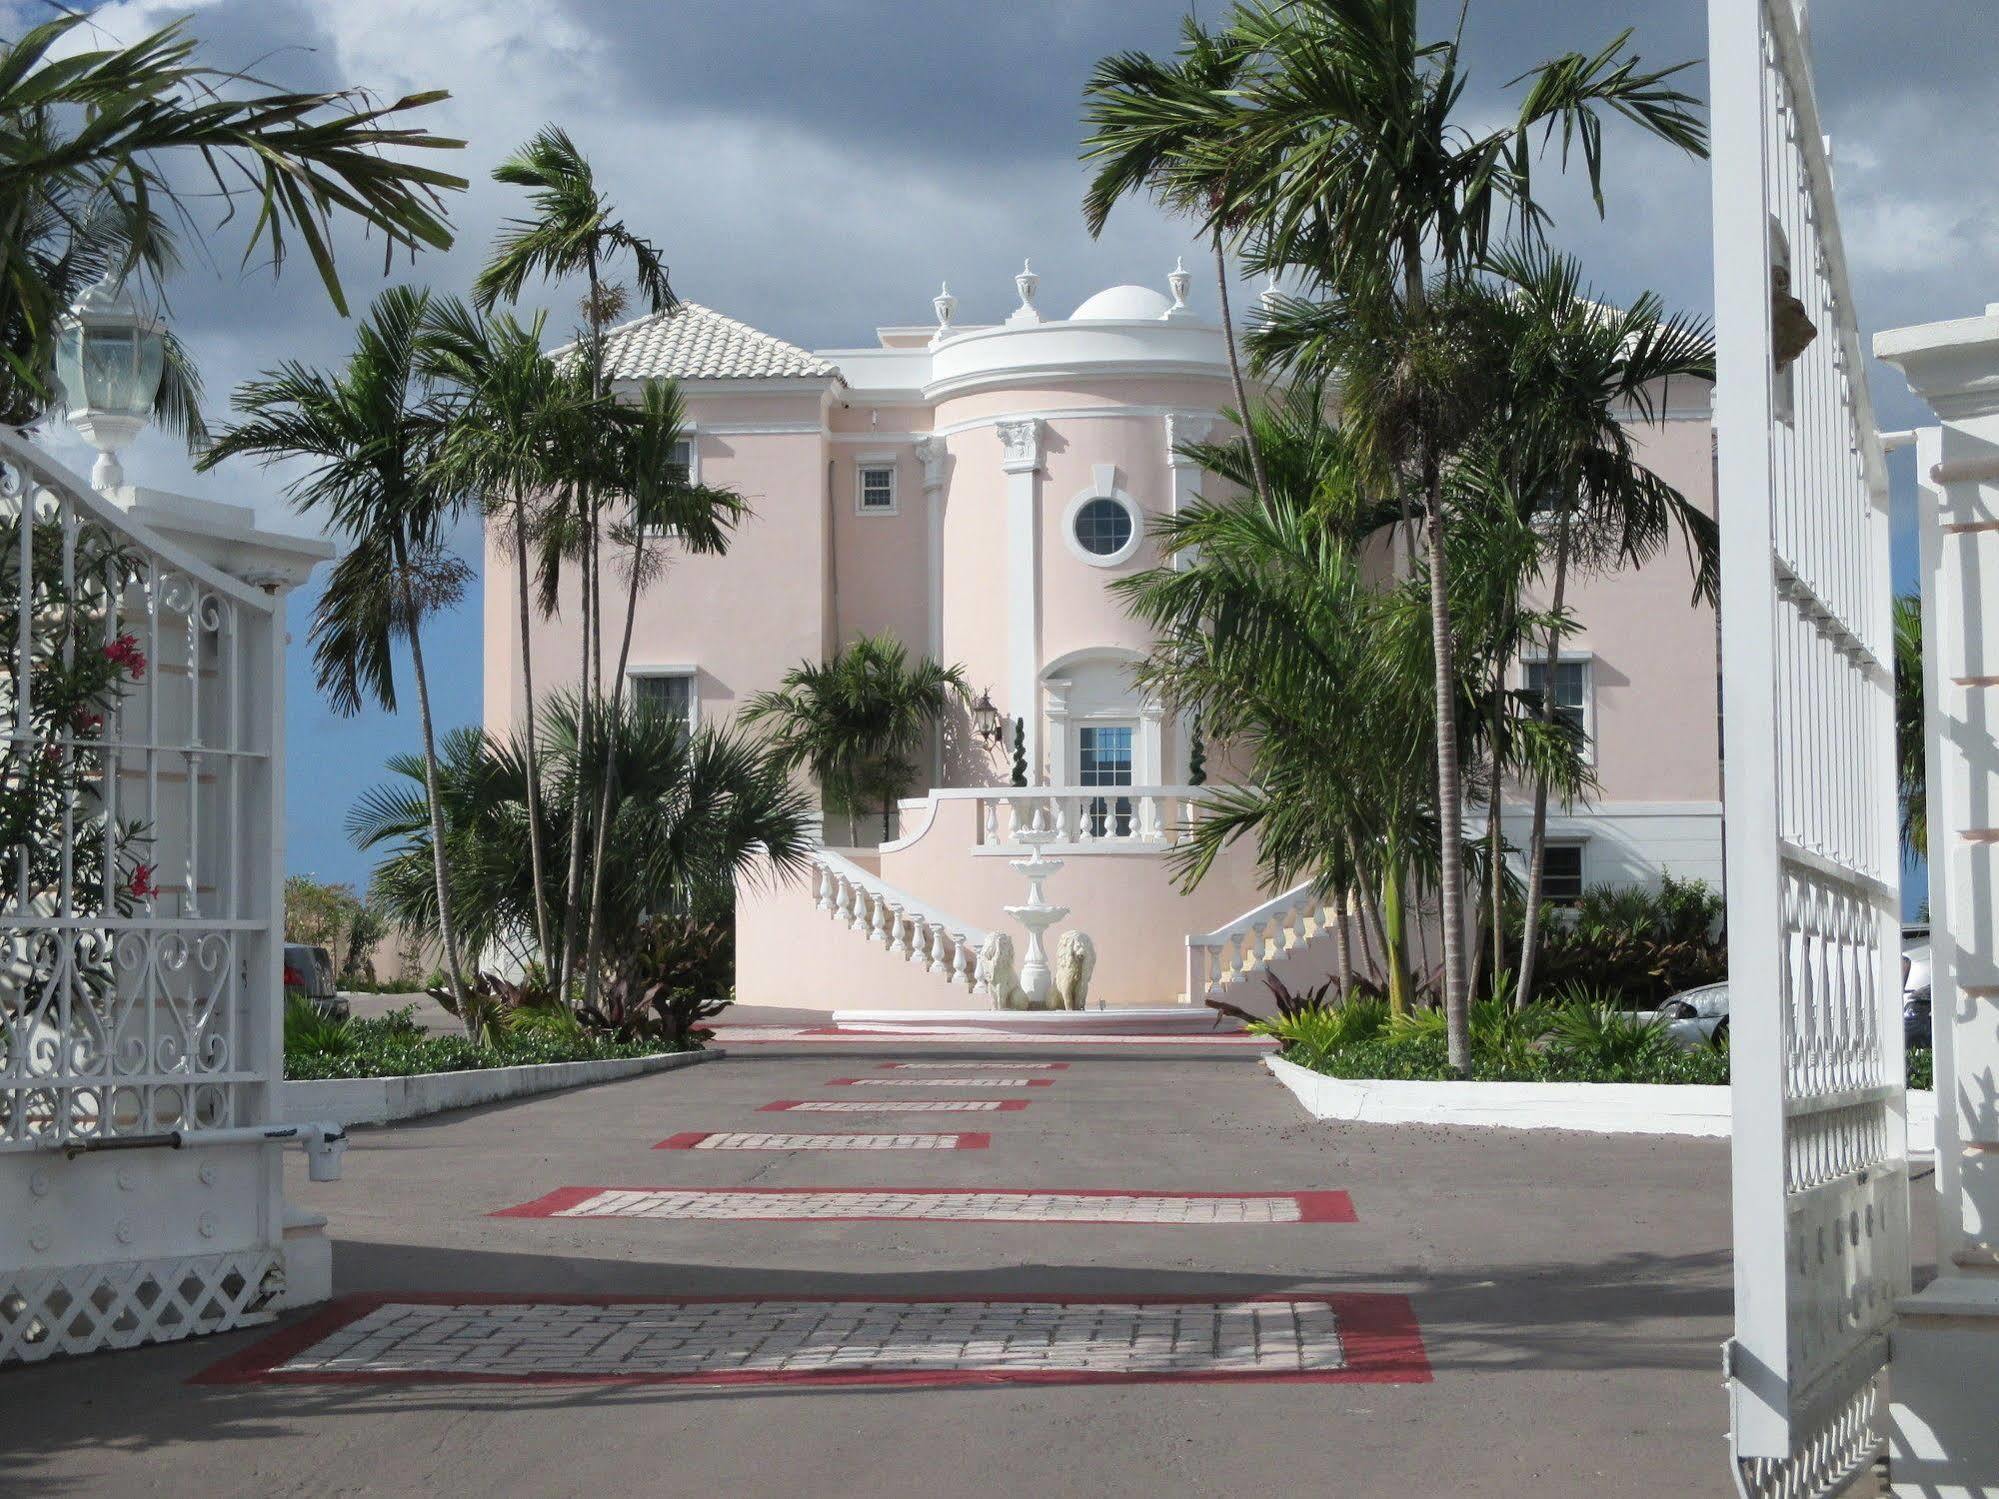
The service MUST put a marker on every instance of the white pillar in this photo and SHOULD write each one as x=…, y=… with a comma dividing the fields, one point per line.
x=930, y=453
x=1021, y=441
x=1944, y=1350
x=1060, y=771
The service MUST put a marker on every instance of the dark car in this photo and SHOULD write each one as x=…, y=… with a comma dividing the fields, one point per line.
x=1916, y=1020
x=309, y=972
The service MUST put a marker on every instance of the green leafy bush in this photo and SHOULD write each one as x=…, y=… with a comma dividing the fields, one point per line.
x=375, y=1048
x=1641, y=946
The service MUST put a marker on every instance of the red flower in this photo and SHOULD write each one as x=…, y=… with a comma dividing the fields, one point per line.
x=143, y=887
x=125, y=652
x=83, y=721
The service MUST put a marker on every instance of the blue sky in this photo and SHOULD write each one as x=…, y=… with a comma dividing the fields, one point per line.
x=818, y=166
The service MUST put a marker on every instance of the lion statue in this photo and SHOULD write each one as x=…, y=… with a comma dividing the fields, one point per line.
x=998, y=975
x=1075, y=961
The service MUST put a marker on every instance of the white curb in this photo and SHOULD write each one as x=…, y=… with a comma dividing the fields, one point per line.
x=1595, y=1108
x=382, y=1100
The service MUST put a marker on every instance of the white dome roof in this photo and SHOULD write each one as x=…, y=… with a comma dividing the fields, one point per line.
x=1124, y=304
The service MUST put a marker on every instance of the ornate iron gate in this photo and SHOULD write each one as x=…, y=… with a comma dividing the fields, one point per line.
x=1820, y=1166
x=139, y=1019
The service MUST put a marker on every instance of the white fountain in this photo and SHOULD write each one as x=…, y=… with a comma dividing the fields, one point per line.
x=1036, y=915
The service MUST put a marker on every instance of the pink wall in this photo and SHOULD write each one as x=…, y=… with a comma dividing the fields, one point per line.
x=742, y=618
x=1653, y=650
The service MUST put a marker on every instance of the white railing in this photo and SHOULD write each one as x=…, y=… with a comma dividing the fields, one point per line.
x=898, y=921
x=1087, y=818
x=1235, y=953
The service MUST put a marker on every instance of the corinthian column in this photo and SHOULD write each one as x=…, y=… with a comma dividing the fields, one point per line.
x=1020, y=442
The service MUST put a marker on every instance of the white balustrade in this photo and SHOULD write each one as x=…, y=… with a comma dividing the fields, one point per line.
x=900, y=923
x=1235, y=953
x=1086, y=818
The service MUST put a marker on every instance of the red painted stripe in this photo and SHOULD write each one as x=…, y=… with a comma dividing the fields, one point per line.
x=1379, y=1338
x=963, y=1139
x=1006, y=1106
x=969, y=1082
x=1313, y=1207
x=984, y=1062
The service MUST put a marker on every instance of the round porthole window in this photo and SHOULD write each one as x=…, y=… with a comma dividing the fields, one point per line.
x=1104, y=528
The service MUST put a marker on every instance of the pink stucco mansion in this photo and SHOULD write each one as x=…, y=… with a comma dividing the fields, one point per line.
x=973, y=488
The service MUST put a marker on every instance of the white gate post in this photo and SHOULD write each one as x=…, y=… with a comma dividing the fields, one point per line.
x=1944, y=1440
x=141, y=920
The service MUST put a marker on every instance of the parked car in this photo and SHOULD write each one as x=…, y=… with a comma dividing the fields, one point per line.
x=1699, y=1017
x=309, y=971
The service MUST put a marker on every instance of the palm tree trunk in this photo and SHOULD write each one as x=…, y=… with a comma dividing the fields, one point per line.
x=611, y=722
x=533, y=731
x=1537, y=838
x=1495, y=869
x=1343, y=947
x=1395, y=958
x=1235, y=375
x=1450, y=777
x=447, y=928
x=574, y=879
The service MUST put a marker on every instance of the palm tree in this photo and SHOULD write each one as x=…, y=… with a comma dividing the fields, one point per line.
x=519, y=431
x=89, y=180
x=1579, y=373
x=573, y=232
x=1911, y=766
x=369, y=434
x=856, y=721
x=1146, y=117
x=693, y=815
x=1273, y=629
x=1355, y=167
x=664, y=502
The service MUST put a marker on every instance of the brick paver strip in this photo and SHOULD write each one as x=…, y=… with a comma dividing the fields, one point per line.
x=940, y=1205
x=1351, y=1338
x=760, y=1035
x=896, y=1106
x=940, y=1082
x=755, y=1140
x=979, y=1066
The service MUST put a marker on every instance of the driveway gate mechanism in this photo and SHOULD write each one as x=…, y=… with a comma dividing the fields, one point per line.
x=1821, y=1193
x=140, y=1033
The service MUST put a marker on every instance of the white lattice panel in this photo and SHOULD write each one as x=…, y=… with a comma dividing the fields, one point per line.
x=1821, y=1183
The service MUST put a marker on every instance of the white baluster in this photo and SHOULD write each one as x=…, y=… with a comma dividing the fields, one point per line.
x=824, y=900
x=1148, y=818
x=961, y=967
x=989, y=819
x=939, y=963
x=878, y=925
x=906, y=929
x=849, y=912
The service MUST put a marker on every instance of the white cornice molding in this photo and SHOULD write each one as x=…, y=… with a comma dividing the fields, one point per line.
x=1068, y=371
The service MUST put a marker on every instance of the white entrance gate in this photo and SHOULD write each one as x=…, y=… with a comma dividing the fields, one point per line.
x=1820, y=1166
x=140, y=1042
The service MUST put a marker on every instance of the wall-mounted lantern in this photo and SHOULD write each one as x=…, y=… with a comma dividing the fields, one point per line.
x=109, y=357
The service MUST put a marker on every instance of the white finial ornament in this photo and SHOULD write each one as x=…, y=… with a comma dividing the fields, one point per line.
x=1270, y=290
x=1026, y=283
x=1177, y=282
x=946, y=304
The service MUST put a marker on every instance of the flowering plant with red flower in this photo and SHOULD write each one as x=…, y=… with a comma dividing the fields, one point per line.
x=124, y=652
x=142, y=886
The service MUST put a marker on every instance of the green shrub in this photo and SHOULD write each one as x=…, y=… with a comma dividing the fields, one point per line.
x=1642, y=946
x=1589, y=1036
x=1922, y=1069
x=309, y=1028
x=1318, y=1032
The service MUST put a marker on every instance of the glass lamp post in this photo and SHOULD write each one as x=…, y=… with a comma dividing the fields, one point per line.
x=109, y=357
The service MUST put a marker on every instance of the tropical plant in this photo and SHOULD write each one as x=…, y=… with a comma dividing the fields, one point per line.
x=520, y=431
x=1635, y=947
x=1272, y=624
x=367, y=435
x=573, y=231
x=1154, y=128
x=1357, y=171
x=1579, y=373
x=692, y=816
x=92, y=182
x=674, y=976
x=856, y=721
x=1311, y=1035
x=1603, y=1036
x=1911, y=768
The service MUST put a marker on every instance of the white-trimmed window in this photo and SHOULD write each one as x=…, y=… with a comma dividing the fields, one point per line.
x=687, y=459
x=1102, y=528
x=874, y=486
x=1574, y=703
x=669, y=690
x=1562, y=873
